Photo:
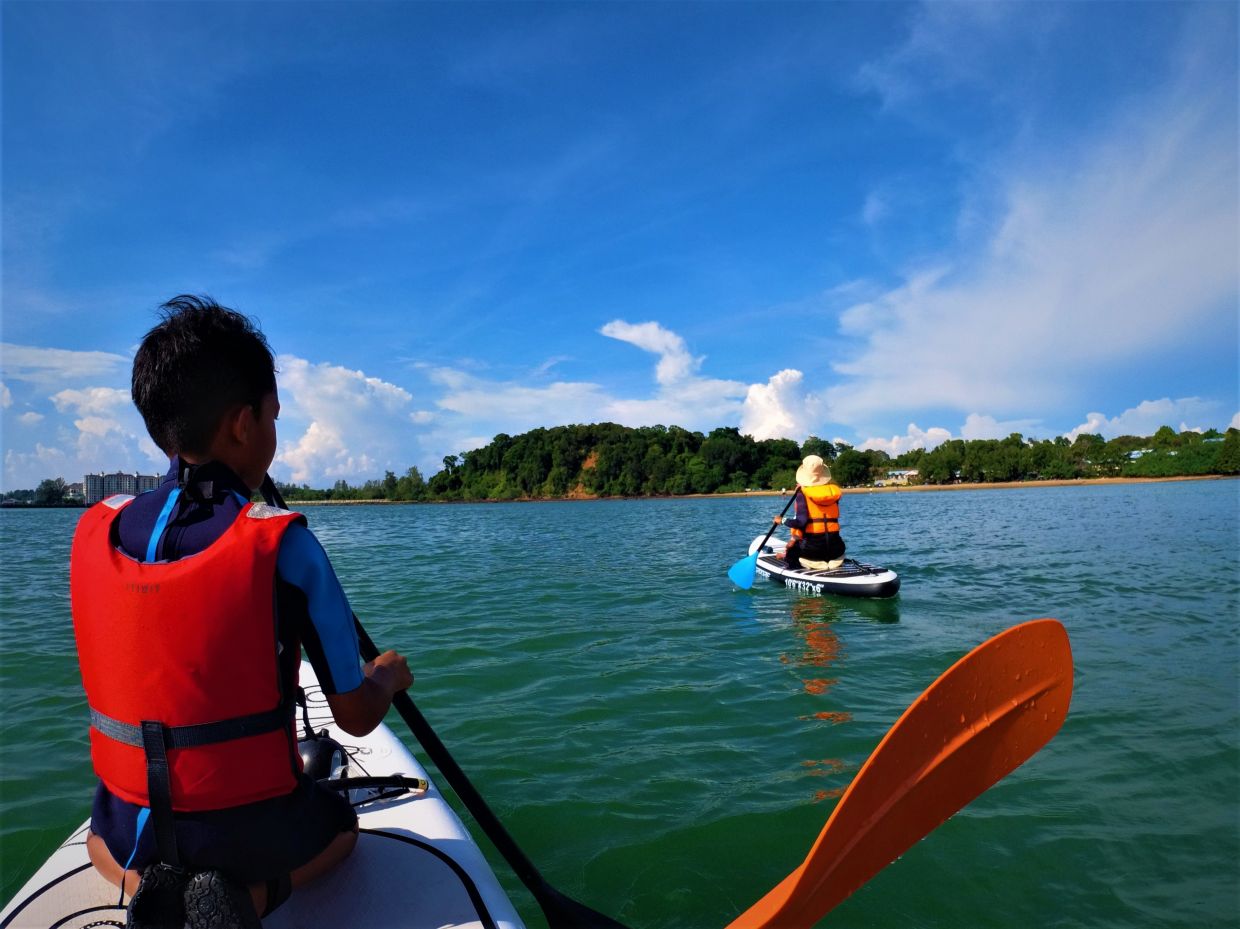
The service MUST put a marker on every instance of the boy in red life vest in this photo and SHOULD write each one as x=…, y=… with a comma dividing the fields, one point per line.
x=815, y=525
x=191, y=607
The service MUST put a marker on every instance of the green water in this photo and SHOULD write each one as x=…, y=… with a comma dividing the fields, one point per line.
x=666, y=747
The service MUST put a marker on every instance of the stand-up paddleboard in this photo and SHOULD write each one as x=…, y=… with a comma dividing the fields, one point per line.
x=851, y=579
x=415, y=865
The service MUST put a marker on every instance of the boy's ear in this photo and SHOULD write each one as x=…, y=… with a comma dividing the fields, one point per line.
x=238, y=423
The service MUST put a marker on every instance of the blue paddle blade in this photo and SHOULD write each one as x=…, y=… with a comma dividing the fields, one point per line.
x=742, y=572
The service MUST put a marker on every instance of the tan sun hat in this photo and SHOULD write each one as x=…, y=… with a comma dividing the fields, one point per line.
x=813, y=472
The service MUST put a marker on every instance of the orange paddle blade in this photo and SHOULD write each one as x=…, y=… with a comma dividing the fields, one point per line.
x=984, y=717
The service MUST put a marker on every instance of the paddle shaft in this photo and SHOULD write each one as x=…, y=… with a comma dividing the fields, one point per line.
x=771, y=531
x=562, y=912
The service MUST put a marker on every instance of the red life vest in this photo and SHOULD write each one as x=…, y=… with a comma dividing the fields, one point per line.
x=185, y=650
x=822, y=503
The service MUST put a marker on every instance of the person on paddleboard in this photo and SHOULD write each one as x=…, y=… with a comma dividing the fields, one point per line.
x=191, y=607
x=815, y=523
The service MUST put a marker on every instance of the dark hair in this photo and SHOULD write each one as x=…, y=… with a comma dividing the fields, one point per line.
x=200, y=362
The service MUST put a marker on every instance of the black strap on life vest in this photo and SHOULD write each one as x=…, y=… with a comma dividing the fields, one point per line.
x=155, y=739
x=159, y=792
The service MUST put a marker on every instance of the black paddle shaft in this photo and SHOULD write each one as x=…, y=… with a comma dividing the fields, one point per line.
x=562, y=912
x=771, y=531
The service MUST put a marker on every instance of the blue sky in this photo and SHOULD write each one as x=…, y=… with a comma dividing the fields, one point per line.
x=882, y=223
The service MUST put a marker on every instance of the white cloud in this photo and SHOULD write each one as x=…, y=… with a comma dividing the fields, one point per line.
x=979, y=426
x=519, y=407
x=30, y=418
x=483, y=406
x=1235, y=422
x=915, y=438
x=1106, y=253
x=92, y=400
x=675, y=362
x=347, y=417
x=24, y=470
x=6, y=396
x=54, y=367
x=778, y=409
x=1148, y=416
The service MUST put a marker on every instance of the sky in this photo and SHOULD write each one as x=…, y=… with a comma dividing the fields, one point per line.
x=885, y=224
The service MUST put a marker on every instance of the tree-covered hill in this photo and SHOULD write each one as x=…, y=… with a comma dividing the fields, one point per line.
x=607, y=460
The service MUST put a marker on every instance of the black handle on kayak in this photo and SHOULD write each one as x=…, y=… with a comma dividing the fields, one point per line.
x=562, y=912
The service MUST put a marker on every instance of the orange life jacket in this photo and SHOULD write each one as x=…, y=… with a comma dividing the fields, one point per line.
x=179, y=663
x=822, y=503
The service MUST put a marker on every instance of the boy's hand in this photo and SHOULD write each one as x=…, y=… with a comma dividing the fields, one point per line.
x=390, y=671
x=358, y=711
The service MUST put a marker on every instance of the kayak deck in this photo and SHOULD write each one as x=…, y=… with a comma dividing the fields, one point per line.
x=415, y=865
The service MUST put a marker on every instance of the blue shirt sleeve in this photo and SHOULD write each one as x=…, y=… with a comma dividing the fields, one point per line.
x=303, y=563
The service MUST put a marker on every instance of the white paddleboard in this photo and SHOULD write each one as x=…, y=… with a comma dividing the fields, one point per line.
x=415, y=865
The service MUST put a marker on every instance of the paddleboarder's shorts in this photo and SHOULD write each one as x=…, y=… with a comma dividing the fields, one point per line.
x=827, y=547
x=256, y=842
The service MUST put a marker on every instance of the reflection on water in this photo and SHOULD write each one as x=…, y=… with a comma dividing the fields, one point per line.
x=813, y=619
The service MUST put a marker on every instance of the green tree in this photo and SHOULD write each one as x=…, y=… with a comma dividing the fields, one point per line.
x=1165, y=438
x=410, y=486
x=851, y=468
x=1228, y=459
x=820, y=447
x=50, y=492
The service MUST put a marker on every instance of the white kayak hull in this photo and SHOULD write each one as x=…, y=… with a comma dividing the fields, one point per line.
x=851, y=579
x=415, y=865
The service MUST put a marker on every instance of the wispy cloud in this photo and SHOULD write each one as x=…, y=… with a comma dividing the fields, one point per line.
x=1104, y=254
x=53, y=367
x=675, y=361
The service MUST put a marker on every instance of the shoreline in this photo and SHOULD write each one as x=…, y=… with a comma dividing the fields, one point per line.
x=1002, y=485
x=909, y=488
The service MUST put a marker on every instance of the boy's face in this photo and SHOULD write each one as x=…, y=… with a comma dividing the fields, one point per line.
x=260, y=450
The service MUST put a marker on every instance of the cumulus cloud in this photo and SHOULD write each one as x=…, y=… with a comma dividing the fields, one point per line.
x=105, y=401
x=344, y=420
x=30, y=418
x=6, y=396
x=779, y=409
x=1235, y=422
x=1149, y=415
x=914, y=438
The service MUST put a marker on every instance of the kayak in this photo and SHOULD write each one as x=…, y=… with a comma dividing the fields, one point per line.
x=851, y=579
x=415, y=865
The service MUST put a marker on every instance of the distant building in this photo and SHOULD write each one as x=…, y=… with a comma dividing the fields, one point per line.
x=901, y=477
x=100, y=486
x=74, y=493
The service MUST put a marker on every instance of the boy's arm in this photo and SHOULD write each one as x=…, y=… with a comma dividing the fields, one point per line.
x=798, y=519
x=358, y=696
x=360, y=710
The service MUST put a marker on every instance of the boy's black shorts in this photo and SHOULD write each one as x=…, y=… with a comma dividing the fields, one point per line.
x=256, y=842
